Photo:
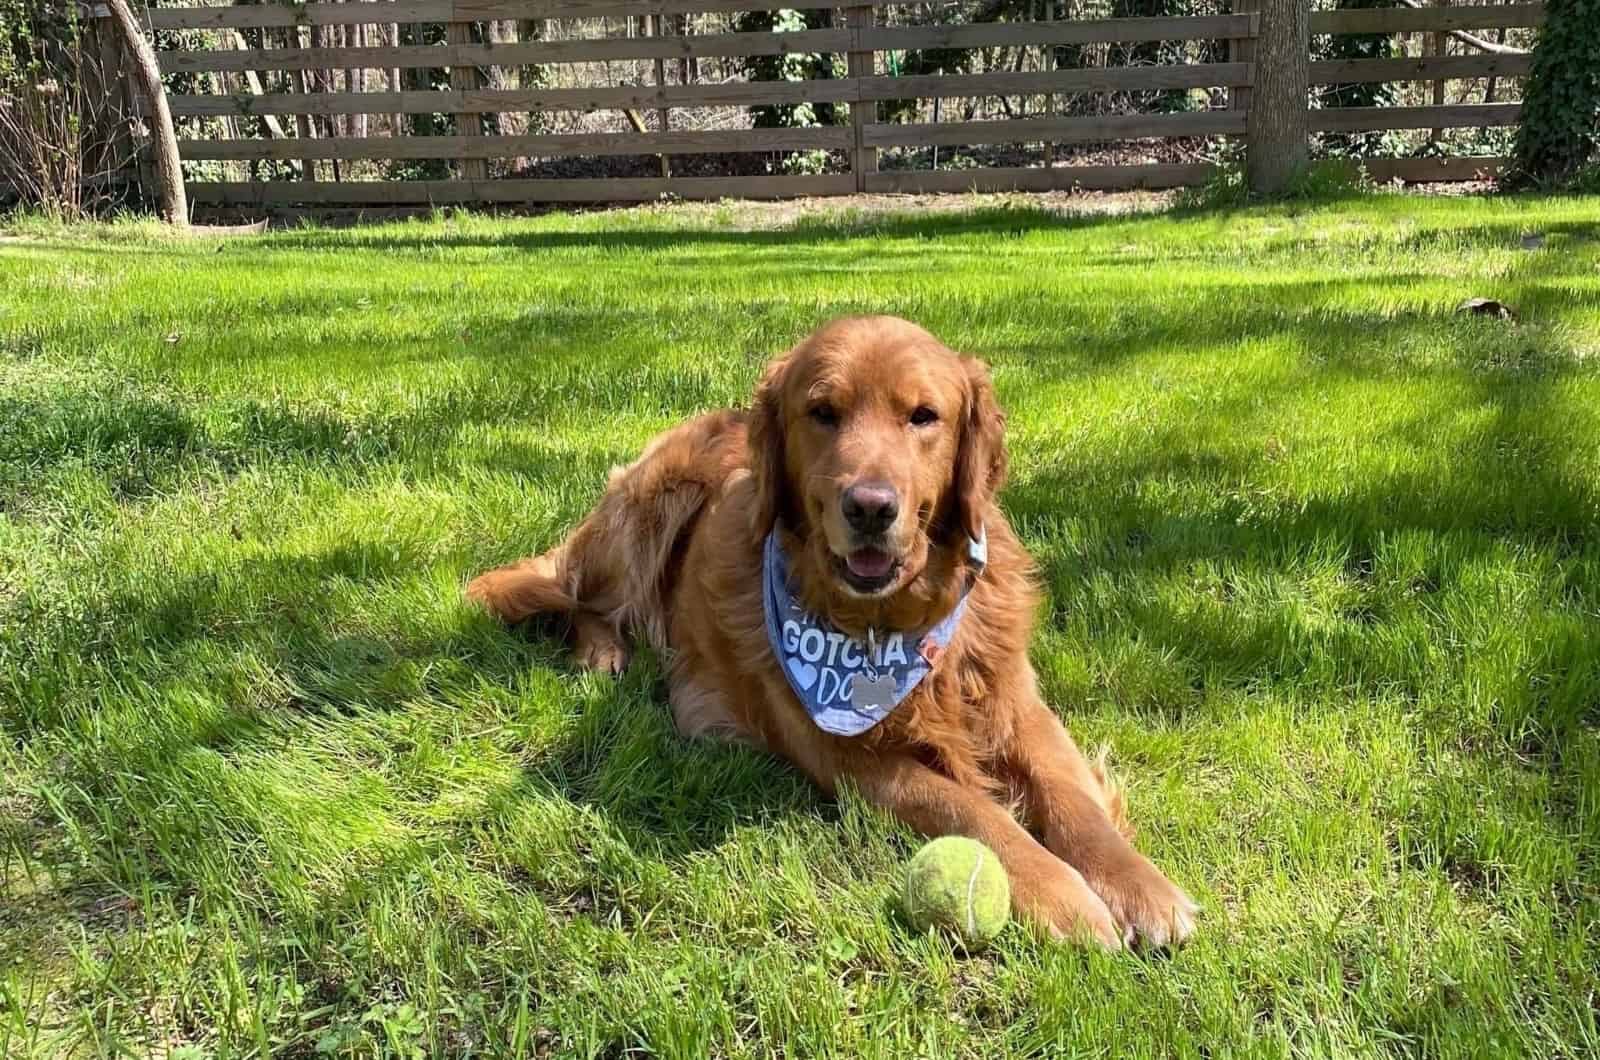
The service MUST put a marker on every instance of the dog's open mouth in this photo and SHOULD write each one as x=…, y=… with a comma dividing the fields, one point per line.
x=868, y=570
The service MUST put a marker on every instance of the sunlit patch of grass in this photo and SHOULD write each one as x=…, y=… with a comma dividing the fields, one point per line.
x=1321, y=566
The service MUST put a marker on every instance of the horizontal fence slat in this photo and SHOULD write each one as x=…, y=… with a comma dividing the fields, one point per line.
x=1426, y=170
x=1056, y=178
x=378, y=193
x=734, y=93
x=1109, y=79
x=249, y=16
x=490, y=101
x=715, y=45
x=677, y=143
x=1427, y=68
x=1367, y=119
x=257, y=16
x=1088, y=31
x=1413, y=20
x=1060, y=130
x=252, y=16
x=529, y=53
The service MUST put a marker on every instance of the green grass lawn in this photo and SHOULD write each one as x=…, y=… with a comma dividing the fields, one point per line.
x=1323, y=571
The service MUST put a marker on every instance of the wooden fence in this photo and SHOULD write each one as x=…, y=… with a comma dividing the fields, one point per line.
x=466, y=49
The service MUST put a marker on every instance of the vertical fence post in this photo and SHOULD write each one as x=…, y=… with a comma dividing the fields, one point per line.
x=464, y=78
x=1278, y=122
x=1440, y=47
x=863, y=159
x=397, y=120
x=1243, y=50
x=305, y=129
x=656, y=26
x=1049, y=64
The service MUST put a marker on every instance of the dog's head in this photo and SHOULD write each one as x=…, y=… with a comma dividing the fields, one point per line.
x=876, y=444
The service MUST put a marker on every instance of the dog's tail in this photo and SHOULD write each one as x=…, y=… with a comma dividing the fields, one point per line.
x=537, y=585
x=619, y=563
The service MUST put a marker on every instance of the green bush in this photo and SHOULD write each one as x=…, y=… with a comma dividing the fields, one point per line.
x=1560, y=130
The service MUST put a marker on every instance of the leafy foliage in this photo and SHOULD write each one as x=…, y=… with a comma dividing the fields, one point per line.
x=1152, y=53
x=793, y=66
x=1560, y=130
x=1368, y=94
x=918, y=62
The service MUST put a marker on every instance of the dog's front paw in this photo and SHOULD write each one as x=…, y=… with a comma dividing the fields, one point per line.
x=598, y=646
x=1053, y=896
x=1151, y=909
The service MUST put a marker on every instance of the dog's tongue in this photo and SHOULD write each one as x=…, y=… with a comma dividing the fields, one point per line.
x=869, y=562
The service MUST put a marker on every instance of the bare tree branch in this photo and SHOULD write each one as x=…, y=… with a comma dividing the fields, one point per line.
x=1467, y=38
x=274, y=130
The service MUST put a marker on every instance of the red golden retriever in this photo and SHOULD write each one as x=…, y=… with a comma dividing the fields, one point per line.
x=871, y=459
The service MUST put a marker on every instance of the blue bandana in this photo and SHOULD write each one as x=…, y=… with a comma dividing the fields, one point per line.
x=846, y=686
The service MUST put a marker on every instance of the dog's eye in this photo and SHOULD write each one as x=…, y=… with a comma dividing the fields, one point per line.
x=923, y=415
x=824, y=414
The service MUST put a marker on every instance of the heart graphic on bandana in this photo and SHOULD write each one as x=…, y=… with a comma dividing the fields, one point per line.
x=803, y=672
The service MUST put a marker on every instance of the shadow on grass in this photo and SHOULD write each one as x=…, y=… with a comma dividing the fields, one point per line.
x=1500, y=496
x=842, y=226
x=137, y=437
x=267, y=628
x=831, y=227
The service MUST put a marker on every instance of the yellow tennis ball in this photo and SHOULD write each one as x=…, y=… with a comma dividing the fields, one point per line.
x=958, y=884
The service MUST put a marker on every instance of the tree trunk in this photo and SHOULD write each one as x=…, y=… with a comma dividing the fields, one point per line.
x=1278, y=125
x=169, y=171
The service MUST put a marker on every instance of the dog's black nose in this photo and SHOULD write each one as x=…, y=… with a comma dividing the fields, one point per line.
x=870, y=507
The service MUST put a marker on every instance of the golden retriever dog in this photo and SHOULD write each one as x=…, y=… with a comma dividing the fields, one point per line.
x=847, y=524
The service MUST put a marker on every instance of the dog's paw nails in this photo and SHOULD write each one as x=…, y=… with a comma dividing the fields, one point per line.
x=1059, y=901
x=604, y=658
x=1154, y=912
x=1096, y=933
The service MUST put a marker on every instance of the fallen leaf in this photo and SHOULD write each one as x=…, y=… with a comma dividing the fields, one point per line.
x=1487, y=307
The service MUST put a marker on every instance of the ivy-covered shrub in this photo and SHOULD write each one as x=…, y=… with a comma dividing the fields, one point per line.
x=793, y=66
x=1560, y=131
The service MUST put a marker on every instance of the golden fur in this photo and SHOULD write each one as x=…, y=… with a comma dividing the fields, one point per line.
x=672, y=552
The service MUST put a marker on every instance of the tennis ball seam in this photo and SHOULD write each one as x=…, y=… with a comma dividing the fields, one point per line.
x=972, y=885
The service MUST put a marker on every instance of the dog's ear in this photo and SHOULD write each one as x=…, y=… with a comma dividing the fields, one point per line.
x=981, y=455
x=767, y=458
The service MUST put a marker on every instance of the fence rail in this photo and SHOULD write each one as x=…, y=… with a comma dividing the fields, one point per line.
x=406, y=12
x=451, y=147
x=740, y=94
x=305, y=50
x=1420, y=19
